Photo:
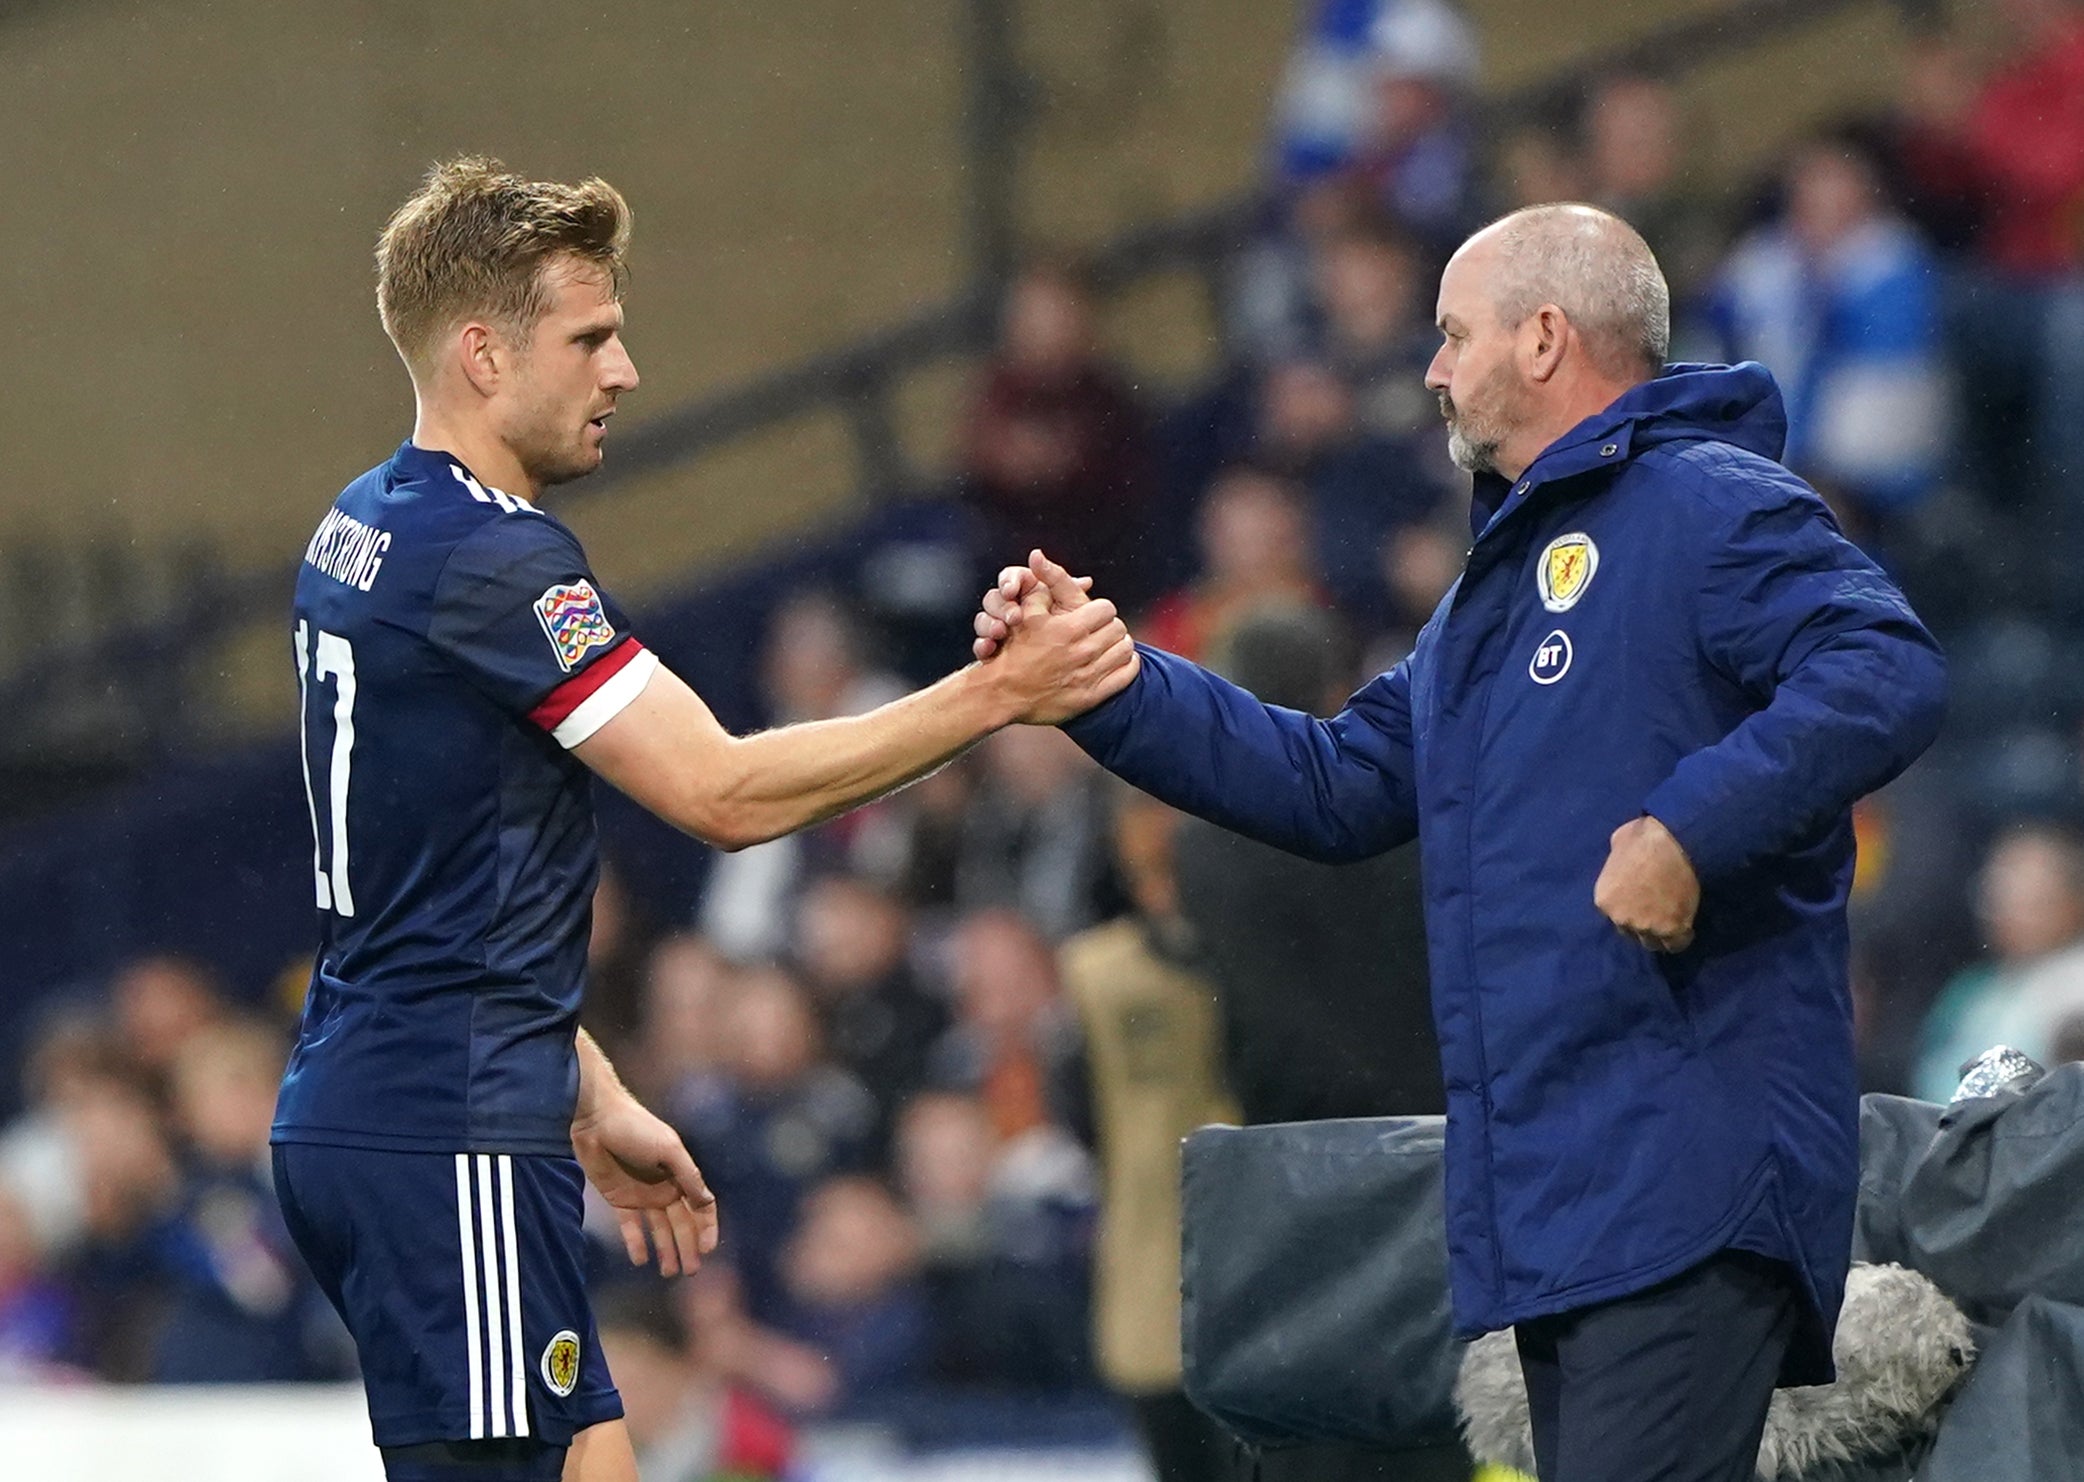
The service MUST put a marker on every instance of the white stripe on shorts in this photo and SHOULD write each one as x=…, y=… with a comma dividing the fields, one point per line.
x=488, y=1225
x=506, y=1216
x=470, y=1297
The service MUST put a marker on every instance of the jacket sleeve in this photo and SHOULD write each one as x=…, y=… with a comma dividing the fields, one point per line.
x=1335, y=790
x=1850, y=685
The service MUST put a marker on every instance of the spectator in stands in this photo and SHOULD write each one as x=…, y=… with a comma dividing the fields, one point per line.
x=2008, y=154
x=1840, y=300
x=1542, y=162
x=1372, y=121
x=1635, y=157
x=813, y=666
x=1015, y=1313
x=158, y=1003
x=1257, y=546
x=778, y=1372
x=911, y=843
x=1320, y=970
x=243, y=1308
x=1055, y=448
x=1421, y=560
x=1006, y=1226
x=1153, y=1044
x=689, y=1420
x=1014, y=1045
x=1380, y=86
x=1418, y=142
x=70, y=1058
x=853, y=1293
x=680, y=1062
x=1364, y=488
x=853, y=947
x=943, y=1157
x=616, y=951
x=36, y=1312
x=131, y=1188
x=2030, y=895
x=1368, y=280
x=787, y=1118
x=1033, y=839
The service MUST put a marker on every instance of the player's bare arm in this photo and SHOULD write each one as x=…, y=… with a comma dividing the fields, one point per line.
x=640, y=1166
x=668, y=752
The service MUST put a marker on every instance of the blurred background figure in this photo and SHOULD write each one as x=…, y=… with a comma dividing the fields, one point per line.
x=853, y=948
x=1841, y=301
x=244, y=1309
x=852, y=1292
x=812, y=667
x=2000, y=157
x=1256, y=547
x=1006, y=1224
x=1635, y=163
x=1380, y=88
x=1013, y=1044
x=1153, y=1046
x=131, y=1238
x=1056, y=450
x=679, y=1066
x=2030, y=897
x=783, y=1119
x=68, y=1062
x=1032, y=834
x=36, y=1311
x=158, y=1004
x=1319, y=970
x=689, y=1419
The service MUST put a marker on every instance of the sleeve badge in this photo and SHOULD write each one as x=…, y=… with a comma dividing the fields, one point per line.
x=574, y=621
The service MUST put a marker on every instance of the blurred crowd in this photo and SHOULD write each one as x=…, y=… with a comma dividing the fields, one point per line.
x=935, y=1057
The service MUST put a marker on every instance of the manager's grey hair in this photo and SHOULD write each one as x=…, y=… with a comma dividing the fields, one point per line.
x=1598, y=270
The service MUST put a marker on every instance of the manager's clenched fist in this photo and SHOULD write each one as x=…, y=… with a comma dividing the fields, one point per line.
x=1648, y=888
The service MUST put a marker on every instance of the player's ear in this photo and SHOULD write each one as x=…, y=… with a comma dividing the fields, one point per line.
x=479, y=356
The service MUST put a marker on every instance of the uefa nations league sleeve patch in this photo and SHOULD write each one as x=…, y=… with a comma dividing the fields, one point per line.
x=574, y=620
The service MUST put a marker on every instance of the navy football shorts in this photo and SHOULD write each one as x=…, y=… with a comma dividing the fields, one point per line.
x=462, y=1279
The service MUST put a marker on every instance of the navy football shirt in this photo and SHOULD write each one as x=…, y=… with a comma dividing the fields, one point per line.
x=451, y=647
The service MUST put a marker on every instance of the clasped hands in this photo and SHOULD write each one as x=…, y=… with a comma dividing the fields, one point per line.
x=1647, y=888
x=1056, y=650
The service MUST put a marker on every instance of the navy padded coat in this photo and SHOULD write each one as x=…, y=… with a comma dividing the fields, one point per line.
x=1657, y=617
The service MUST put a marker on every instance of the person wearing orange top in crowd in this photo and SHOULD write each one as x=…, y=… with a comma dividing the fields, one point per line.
x=1255, y=550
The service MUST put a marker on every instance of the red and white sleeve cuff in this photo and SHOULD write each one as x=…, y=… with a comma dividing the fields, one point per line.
x=596, y=694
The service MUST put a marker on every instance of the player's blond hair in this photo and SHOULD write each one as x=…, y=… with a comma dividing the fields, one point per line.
x=474, y=240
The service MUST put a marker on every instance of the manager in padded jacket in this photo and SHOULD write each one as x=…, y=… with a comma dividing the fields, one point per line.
x=1627, y=743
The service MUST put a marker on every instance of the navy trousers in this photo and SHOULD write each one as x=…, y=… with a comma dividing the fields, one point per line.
x=1666, y=1385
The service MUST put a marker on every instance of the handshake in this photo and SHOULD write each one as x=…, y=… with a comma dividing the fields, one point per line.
x=1049, y=648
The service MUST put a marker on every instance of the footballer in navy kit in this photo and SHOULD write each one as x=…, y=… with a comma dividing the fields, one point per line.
x=462, y=677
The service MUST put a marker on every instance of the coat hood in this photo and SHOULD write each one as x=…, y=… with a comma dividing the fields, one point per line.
x=1736, y=404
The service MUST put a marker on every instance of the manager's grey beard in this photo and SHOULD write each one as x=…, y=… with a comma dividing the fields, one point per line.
x=1471, y=455
x=1473, y=439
